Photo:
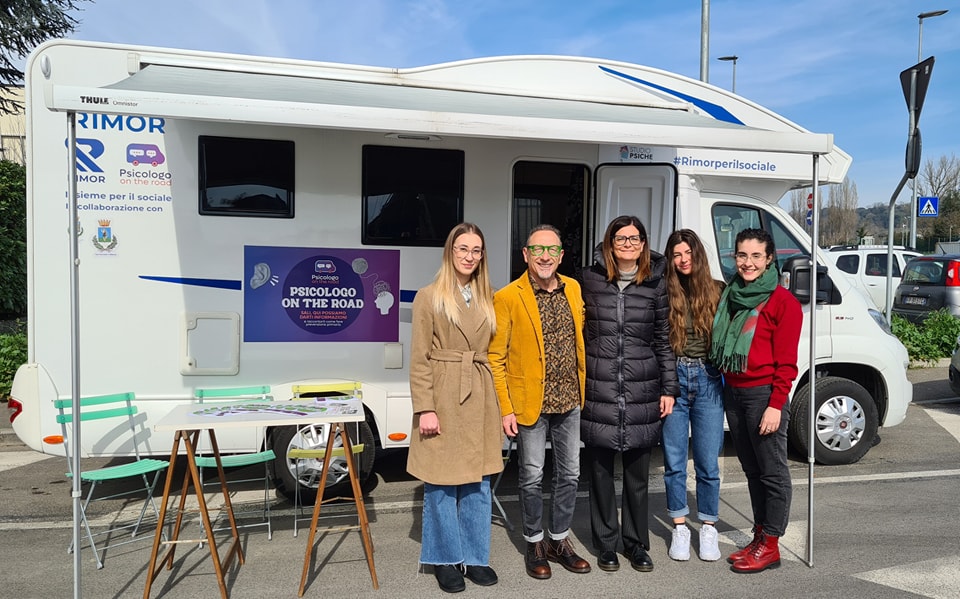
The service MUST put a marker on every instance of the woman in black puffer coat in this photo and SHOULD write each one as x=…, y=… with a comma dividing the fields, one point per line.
x=631, y=385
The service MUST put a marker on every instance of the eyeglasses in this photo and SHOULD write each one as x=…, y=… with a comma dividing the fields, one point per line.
x=462, y=251
x=537, y=250
x=754, y=258
x=623, y=239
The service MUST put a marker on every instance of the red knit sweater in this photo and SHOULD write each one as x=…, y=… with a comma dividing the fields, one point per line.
x=773, y=353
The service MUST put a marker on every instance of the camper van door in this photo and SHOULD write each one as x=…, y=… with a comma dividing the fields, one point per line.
x=647, y=191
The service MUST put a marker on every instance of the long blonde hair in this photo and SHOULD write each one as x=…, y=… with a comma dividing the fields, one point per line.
x=701, y=291
x=447, y=289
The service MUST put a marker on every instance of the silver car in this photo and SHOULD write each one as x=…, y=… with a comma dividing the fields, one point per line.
x=929, y=283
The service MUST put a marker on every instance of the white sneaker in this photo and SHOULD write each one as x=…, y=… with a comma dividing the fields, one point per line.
x=680, y=545
x=709, y=546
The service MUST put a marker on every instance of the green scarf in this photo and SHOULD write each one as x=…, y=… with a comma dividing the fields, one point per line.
x=736, y=319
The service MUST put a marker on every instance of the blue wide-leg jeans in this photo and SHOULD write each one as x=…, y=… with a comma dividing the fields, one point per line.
x=697, y=423
x=456, y=524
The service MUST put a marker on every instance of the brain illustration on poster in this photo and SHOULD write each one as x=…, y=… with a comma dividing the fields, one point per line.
x=320, y=294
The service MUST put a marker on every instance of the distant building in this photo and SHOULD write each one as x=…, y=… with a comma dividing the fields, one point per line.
x=13, y=128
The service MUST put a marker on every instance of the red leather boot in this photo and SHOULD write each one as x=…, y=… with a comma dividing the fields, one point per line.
x=765, y=555
x=741, y=553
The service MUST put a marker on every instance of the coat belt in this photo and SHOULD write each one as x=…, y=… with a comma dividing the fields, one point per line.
x=467, y=361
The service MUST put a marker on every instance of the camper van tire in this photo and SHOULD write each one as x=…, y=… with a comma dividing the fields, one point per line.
x=846, y=421
x=289, y=473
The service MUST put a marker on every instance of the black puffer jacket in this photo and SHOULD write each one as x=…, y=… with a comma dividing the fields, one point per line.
x=629, y=360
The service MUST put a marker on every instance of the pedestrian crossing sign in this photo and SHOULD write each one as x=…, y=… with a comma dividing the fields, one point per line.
x=928, y=206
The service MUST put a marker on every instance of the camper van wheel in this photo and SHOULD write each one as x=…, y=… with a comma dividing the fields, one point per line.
x=846, y=421
x=306, y=472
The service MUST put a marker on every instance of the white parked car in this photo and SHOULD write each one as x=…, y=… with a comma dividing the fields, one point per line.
x=867, y=267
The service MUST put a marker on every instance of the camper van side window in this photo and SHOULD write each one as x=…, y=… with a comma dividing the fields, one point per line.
x=411, y=196
x=246, y=177
x=730, y=219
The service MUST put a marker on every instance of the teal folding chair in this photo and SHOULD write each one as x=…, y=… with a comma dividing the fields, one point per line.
x=119, y=407
x=240, y=395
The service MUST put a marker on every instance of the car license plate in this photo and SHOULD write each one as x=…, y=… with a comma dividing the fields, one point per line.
x=914, y=300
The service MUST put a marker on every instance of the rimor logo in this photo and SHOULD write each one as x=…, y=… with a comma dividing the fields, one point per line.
x=324, y=266
x=121, y=122
x=94, y=100
x=88, y=150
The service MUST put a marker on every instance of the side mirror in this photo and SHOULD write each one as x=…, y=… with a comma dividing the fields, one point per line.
x=795, y=276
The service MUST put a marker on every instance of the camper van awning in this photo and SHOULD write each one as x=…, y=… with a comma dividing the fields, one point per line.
x=180, y=92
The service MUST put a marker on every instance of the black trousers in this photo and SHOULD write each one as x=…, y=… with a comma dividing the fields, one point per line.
x=762, y=457
x=634, y=502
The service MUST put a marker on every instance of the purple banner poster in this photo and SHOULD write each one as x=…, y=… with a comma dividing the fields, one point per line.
x=320, y=294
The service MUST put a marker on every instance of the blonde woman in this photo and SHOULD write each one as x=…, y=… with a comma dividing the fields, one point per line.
x=457, y=434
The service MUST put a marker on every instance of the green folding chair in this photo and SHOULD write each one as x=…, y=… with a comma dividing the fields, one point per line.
x=119, y=407
x=240, y=395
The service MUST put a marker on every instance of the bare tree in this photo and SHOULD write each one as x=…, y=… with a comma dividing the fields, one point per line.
x=798, y=205
x=839, y=226
x=24, y=24
x=938, y=177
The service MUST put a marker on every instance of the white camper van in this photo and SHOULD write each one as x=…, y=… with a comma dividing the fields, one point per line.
x=255, y=221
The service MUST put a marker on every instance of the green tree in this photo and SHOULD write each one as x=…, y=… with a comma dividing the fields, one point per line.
x=13, y=232
x=24, y=24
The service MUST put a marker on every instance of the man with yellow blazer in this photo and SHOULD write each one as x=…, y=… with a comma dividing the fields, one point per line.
x=537, y=360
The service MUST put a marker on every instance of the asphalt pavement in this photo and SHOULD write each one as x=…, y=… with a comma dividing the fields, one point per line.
x=884, y=527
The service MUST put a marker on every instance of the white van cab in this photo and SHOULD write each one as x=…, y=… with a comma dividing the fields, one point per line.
x=867, y=267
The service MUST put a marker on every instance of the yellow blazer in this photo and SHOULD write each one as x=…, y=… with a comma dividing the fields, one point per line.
x=516, y=351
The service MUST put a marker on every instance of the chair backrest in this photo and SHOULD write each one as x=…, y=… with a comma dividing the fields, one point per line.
x=258, y=392
x=347, y=388
x=97, y=407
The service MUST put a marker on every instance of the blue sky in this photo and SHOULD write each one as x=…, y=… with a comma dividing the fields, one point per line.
x=832, y=66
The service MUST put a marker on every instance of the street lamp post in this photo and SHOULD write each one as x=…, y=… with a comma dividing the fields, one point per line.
x=732, y=58
x=915, y=193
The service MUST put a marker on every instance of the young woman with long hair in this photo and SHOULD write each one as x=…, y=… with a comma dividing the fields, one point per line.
x=697, y=417
x=457, y=435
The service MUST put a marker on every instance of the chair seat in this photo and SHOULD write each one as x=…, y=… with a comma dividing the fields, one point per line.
x=145, y=466
x=237, y=460
x=319, y=454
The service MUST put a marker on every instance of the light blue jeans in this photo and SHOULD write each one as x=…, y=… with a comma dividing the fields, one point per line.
x=564, y=434
x=696, y=422
x=456, y=524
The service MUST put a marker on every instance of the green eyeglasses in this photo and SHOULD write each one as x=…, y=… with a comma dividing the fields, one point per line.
x=537, y=250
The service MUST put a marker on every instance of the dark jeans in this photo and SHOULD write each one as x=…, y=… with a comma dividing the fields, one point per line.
x=634, y=502
x=564, y=433
x=762, y=457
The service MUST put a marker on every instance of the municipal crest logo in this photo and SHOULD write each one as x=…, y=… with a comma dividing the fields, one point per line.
x=105, y=241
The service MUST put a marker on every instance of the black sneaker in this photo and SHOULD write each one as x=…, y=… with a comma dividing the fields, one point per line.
x=450, y=578
x=482, y=575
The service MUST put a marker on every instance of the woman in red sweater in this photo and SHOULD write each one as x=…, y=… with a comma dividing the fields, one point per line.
x=755, y=337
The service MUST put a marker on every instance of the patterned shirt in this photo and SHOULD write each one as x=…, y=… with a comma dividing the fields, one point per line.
x=561, y=388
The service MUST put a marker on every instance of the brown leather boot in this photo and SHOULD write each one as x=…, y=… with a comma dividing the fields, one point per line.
x=536, y=560
x=562, y=552
x=740, y=553
x=765, y=555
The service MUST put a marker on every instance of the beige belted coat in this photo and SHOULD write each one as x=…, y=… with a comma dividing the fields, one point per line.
x=450, y=375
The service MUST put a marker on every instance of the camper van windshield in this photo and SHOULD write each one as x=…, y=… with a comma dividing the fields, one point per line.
x=730, y=219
